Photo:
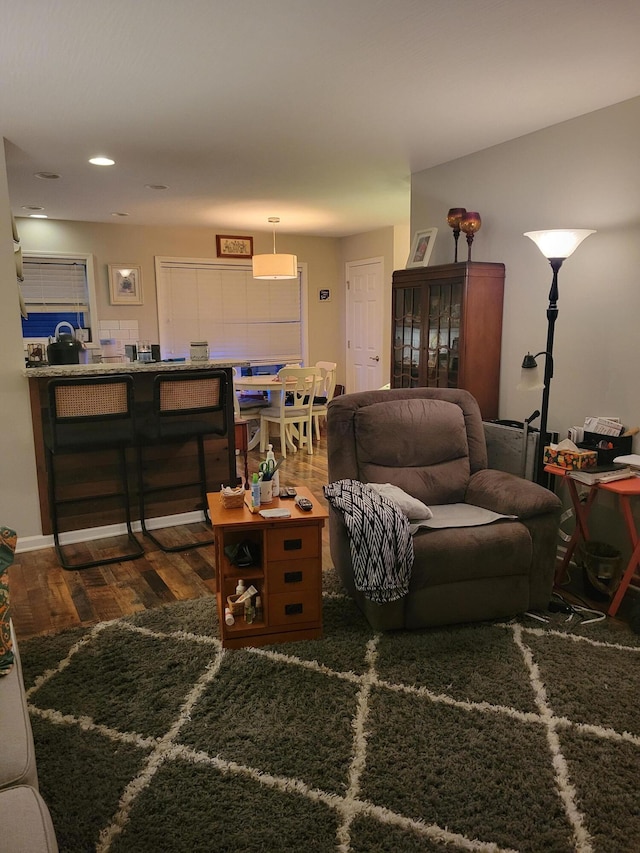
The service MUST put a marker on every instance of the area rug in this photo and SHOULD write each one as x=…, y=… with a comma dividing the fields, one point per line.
x=494, y=737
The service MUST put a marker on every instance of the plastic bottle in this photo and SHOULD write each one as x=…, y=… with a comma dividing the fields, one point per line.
x=249, y=611
x=228, y=616
x=255, y=491
x=259, y=613
x=240, y=587
x=276, y=474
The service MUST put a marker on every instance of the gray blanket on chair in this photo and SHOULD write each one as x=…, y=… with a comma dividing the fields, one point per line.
x=380, y=541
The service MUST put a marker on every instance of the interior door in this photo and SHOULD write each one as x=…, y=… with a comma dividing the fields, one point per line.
x=364, y=325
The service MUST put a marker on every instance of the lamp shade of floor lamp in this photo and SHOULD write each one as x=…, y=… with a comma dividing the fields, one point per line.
x=556, y=245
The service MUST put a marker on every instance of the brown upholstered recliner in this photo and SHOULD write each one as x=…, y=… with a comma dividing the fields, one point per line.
x=430, y=442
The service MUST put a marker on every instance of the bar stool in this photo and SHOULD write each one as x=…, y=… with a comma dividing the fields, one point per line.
x=89, y=415
x=187, y=406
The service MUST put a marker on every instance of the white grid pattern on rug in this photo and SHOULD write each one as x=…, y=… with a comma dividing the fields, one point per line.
x=350, y=805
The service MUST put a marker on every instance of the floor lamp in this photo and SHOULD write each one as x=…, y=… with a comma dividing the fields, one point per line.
x=556, y=245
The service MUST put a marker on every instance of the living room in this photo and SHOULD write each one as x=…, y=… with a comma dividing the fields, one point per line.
x=580, y=172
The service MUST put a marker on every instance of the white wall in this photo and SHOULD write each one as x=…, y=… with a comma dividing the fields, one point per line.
x=583, y=173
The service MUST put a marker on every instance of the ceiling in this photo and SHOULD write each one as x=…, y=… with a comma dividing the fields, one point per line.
x=314, y=112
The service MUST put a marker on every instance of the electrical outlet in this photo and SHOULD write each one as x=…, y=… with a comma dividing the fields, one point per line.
x=82, y=335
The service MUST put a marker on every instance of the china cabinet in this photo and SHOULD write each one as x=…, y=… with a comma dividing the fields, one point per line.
x=447, y=329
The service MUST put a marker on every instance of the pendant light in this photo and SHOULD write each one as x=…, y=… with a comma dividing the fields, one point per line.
x=274, y=265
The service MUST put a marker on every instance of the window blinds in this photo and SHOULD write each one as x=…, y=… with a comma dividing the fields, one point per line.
x=54, y=285
x=241, y=318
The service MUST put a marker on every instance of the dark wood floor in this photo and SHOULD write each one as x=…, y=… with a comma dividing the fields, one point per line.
x=46, y=598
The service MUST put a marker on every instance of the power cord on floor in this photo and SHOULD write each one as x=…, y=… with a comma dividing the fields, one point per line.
x=581, y=614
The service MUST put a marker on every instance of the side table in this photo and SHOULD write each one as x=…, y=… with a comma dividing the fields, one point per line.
x=288, y=577
x=625, y=490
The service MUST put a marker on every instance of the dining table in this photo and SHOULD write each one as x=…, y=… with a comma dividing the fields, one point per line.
x=268, y=382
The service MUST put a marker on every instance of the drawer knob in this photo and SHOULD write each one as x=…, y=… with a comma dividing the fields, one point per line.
x=293, y=609
x=292, y=544
x=292, y=577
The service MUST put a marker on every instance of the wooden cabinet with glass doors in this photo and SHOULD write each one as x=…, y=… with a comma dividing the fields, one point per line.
x=447, y=329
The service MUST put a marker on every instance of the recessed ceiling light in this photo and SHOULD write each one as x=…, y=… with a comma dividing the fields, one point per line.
x=38, y=216
x=47, y=176
x=117, y=213
x=156, y=187
x=32, y=207
x=102, y=161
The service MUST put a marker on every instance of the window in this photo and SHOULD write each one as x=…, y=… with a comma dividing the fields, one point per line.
x=57, y=287
x=241, y=318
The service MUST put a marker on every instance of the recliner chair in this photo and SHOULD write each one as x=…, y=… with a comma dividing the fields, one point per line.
x=430, y=443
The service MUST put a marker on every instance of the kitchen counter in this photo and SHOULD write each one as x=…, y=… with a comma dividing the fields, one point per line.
x=57, y=371
x=220, y=450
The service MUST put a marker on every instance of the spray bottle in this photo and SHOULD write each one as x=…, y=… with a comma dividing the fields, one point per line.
x=276, y=474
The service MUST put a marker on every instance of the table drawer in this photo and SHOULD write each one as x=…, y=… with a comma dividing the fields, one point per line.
x=292, y=608
x=293, y=543
x=289, y=576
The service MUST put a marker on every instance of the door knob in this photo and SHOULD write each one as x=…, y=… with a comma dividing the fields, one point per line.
x=374, y=357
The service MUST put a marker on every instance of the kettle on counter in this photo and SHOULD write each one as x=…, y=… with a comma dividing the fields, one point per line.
x=65, y=349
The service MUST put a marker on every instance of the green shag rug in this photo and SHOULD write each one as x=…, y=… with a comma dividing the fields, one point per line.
x=495, y=737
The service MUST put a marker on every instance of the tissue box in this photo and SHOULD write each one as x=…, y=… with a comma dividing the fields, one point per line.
x=572, y=459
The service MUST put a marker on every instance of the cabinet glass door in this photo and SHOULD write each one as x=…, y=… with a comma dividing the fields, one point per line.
x=407, y=337
x=443, y=323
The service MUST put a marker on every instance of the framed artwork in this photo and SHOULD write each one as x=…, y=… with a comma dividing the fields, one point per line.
x=228, y=246
x=125, y=284
x=421, y=248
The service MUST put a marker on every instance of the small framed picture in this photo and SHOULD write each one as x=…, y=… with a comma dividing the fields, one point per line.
x=125, y=284
x=228, y=246
x=324, y=294
x=421, y=248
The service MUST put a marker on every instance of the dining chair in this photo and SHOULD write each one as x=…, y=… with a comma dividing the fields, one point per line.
x=299, y=384
x=324, y=393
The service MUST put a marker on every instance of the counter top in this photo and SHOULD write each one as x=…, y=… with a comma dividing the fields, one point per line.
x=70, y=370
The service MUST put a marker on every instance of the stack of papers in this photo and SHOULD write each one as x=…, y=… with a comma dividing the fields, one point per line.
x=632, y=460
x=602, y=474
x=603, y=426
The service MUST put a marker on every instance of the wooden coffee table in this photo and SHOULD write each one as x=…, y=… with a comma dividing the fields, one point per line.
x=288, y=577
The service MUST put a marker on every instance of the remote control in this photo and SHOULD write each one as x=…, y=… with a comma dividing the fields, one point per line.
x=304, y=503
x=275, y=513
x=287, y=492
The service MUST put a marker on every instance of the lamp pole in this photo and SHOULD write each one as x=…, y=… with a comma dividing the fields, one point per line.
x=552, y=316
x=556, y=245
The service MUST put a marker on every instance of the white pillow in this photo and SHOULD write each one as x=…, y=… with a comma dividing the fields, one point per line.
x=410, y=506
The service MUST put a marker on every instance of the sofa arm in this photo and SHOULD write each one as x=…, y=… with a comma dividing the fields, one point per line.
x=511, y=495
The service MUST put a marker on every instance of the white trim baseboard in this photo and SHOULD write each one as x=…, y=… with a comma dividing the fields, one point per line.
x=36, y=543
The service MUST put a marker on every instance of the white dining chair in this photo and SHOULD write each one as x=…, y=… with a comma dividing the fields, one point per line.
x=248, y=411
x=299, y=384
x=326, y=390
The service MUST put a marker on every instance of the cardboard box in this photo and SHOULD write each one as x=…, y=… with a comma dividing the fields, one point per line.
x=575, y=461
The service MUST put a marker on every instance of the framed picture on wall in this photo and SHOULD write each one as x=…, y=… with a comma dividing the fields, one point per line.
x=421, y=248
x=228, y=246
x=125, y=284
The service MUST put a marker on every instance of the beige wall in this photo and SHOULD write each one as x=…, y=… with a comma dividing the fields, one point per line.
x=19, y=507
x=583, y=173
x=136, y=244
x=325, y=260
